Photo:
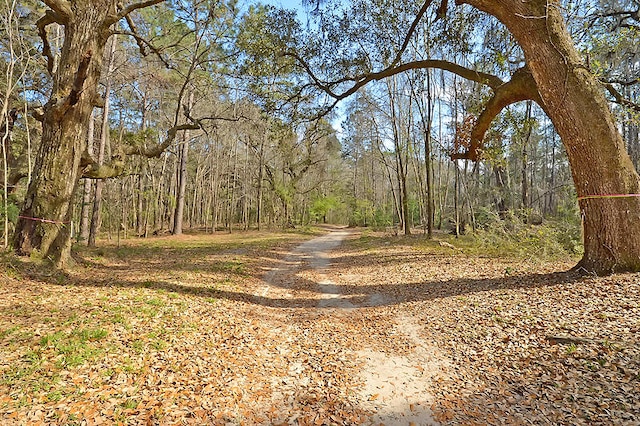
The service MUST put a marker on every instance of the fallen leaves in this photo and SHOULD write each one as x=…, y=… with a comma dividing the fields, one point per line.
x=496, y=331
x=164, y=342
x=157, y=334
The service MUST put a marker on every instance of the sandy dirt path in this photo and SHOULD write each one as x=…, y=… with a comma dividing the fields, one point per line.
x=395, y=387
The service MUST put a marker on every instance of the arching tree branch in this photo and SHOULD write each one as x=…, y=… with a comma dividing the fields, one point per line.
x=61, y=7
x=521, y=87
x=50, y=17
x=125, y=10
x=158, y=149
x=92, y=170
x=360, y=81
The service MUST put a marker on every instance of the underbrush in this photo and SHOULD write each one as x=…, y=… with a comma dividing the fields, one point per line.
x=553, y=239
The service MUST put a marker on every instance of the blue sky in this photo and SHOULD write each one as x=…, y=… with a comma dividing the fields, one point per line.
x=289, y=4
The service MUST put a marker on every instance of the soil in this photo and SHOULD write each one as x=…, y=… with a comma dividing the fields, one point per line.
x=396, y=387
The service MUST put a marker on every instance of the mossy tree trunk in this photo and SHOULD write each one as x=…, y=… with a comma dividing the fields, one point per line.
x=44, y=223
x=45, y=217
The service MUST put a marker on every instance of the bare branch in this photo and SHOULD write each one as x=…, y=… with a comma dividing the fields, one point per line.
x=622, y=82
x=139, y=41
x=158, y=149
x=199, y=121
x=621, y=100
x=50, y=17
x=479, y=77
x=144, y=42
x=411, y=31
x=627, y=13
x=128, y=9
x=325, y=86
x=630, y=26
x=61, y=7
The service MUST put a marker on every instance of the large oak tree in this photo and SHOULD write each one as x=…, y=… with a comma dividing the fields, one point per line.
x=63, y=158
x=604, y=176
x=556, y=77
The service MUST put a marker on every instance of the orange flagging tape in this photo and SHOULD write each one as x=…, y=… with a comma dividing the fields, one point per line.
x=588, y=197
x=37, y=219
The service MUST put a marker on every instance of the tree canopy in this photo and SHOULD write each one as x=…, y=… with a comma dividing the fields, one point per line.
x=373, y=112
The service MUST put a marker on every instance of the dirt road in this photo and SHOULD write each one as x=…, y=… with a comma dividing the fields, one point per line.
x=393, y=387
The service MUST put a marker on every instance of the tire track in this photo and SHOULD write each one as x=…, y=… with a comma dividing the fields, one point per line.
x=395, y=387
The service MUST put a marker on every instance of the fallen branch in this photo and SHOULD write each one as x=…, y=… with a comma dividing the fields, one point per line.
x=572, y=340
x=568, y=340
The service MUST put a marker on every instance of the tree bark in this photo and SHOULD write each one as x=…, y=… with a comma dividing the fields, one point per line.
x=182, y=178
x=576, y=105
x=428, y=163
x=182, y=186
x=525, y=143
x=46, y=214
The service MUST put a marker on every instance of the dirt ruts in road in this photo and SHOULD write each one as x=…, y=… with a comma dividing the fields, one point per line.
x=395, y=387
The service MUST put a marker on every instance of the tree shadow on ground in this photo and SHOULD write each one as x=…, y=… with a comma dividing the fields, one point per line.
x=357, y=295
x=277, y=267
x=204, y=259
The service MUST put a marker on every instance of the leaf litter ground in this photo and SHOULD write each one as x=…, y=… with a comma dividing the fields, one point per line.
x=255, y=328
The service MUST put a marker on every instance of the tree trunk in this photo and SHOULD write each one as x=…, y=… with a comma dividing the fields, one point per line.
x=501, y=206
x=580, y=113
x=260, y=186
x=178, y=216
x=406, y=224
x=182, y=179
x=46, y=214
x=428, y=163
x=96, y=218
x=525, y=143
x=141, y=221
x=83, y=236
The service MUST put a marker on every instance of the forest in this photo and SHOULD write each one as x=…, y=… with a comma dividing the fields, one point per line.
x=325, y=165
x=222, y=116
